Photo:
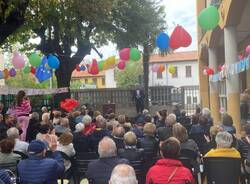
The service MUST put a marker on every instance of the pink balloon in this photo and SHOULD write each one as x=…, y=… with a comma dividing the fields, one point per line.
x=155, y=67
x=124, y=54
x=248, y=49
x=18, y=61
x=121, y=65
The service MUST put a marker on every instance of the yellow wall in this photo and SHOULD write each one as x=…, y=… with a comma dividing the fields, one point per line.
x=230, y=14
x=90, y=80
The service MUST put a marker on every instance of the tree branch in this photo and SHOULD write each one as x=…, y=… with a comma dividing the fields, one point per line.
x=14, y=20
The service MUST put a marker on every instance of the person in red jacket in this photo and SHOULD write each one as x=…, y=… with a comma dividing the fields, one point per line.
x=169, y=170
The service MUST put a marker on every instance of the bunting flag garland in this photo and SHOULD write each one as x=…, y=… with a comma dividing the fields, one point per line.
x=228, y=70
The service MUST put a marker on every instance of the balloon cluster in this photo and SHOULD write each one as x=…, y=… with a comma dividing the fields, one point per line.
x=69, y=104
x=35, y=62
x=158, y=68
x=179, y=38
x=128, y=54
x=125, y=55
x=161, y=68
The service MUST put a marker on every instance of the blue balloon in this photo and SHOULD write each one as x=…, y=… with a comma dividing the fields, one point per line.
x=162, y=41
x=82, y=68
x=1, y=75
x=53, y=62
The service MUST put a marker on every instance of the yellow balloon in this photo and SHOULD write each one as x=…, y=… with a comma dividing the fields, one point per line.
x=171, y=69
x=111, y=61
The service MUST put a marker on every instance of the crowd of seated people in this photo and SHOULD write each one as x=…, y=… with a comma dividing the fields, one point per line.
x=159, y=142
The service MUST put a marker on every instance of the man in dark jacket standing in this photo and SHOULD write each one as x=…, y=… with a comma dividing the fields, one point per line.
x=99, y=171
x=38, y=168
x=138, y=96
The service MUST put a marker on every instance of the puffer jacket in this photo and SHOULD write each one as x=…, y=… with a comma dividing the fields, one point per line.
x=164, y=168
x=40, y=169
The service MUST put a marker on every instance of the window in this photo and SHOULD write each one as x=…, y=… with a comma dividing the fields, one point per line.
x=188, y=71
x=159, y=75
x=103, y=81
x=189, y=99
x=175, y=75
x=195, y=101
x=95, y=81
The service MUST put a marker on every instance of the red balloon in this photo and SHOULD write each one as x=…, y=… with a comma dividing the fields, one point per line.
x=93, y=69
x=33, y=70
x=78, y=68
x=69, y=104
x=124, y=54
x=121, y=65
x=180, y=38
x=210, y=71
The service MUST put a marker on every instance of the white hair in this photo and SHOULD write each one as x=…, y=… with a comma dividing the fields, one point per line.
x=107, y=148
x=206, y=111
x=79, y=127
x=224, y=140
x=13, y=133
x=123, y=174
x=171, y=119
x=86, y=119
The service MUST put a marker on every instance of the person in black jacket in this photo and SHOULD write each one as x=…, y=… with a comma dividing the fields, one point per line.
x=99, y=171
x=117, y=136
x=99, y=133
x=131, y=152
x=80, y=141
x=33, y=128
x=243, y=144
x=138, y=96
x=149, y=143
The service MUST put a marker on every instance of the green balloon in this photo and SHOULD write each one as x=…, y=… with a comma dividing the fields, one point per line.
x=209, y=18
x=26, y=69
x=135, y=54
x=35, y=60
x=100, y=65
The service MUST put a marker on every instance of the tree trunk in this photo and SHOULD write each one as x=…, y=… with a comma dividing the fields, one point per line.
x=63, y=76
x=146, y=53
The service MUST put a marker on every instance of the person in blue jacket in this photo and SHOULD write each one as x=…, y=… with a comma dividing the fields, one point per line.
x=38, y=168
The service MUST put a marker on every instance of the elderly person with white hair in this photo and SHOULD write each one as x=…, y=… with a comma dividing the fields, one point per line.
x=223, y=147
x=20, y=146
x=99, y=132
x=207, y=113
x=123, y=174
x=89, y=126
x=99, y=171
x=165, y=132
x=80, y=141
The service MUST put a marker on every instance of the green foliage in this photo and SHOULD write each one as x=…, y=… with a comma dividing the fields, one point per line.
x=75, y=84
x=130, y=76
x=27, y=80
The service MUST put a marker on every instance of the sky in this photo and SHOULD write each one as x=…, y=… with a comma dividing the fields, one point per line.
x=182, y=12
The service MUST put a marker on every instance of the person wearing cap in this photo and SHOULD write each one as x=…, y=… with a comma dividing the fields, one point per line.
x=38, y=168
x=138, y=129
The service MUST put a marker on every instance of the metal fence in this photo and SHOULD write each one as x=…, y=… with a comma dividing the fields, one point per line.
x=186, y=97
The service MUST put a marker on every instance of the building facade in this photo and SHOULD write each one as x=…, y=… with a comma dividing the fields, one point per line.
x=105, y=79
x=186, y=67
x=223, y=46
